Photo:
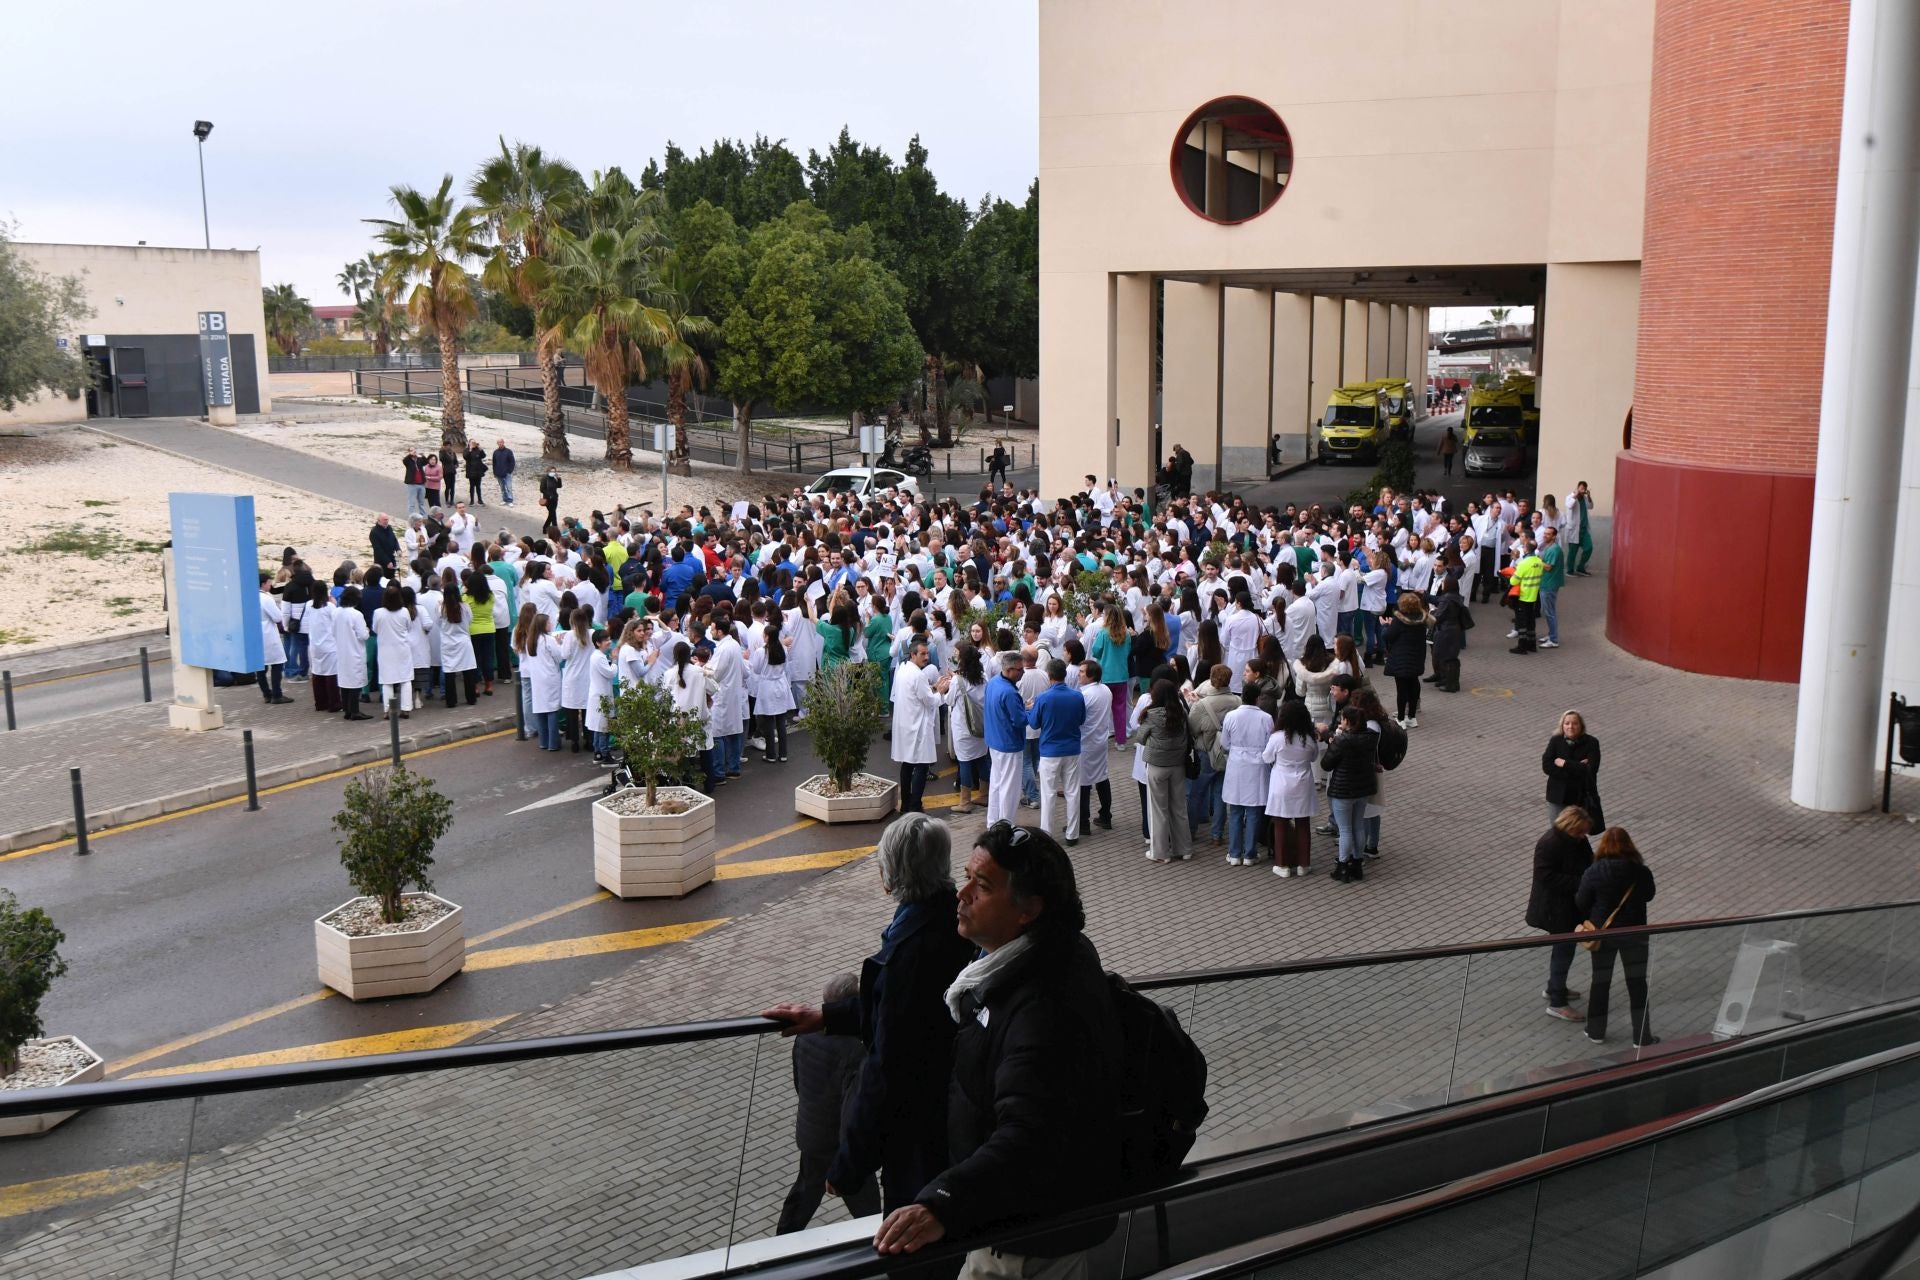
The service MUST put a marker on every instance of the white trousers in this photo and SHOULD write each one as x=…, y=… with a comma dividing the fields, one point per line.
x=1060, y=773
x=406, y=695
x=1003, y=787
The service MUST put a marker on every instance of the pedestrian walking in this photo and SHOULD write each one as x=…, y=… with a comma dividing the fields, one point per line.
x=1449, y=446
x=997, y=463
x=1571, y=762
x=1614, y=893
x=1560, y=859
x=1579, y=505
x=1096, y=735
x=1350, y=759
x=1059, y=713
x=1552, y=578
x=550, y=485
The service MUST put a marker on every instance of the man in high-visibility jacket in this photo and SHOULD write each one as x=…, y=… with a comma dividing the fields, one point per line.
x=1527, y=572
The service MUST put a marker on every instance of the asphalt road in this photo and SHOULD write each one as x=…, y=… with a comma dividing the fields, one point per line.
x=204, y=924
x=46, y=700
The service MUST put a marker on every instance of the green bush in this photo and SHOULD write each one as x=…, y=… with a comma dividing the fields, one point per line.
x=652, y=735
x=1393, y=471
x=391, y=819
x=29, y=962
x=844, y=712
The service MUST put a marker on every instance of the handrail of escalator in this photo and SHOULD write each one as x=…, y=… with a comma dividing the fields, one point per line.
x=1240, y=1259
x=492, y=1053
x=858, y=1261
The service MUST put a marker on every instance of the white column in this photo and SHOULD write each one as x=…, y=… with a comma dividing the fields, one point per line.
x=1870, y=304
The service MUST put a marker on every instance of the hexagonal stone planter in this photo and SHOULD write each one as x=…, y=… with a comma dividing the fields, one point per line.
x=873, y=799
x=404, y=962
x=40, y=1122
x=653, y=855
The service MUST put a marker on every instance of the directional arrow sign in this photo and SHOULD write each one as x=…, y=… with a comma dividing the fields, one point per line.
x=580, y=792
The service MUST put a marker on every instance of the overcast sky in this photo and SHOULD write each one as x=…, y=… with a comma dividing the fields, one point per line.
x=318, y=110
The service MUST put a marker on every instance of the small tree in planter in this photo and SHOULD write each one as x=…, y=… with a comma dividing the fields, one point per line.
x=653, y=734
x=29, y=962
x=662, y=847
x=391, y=819
x=844, y=713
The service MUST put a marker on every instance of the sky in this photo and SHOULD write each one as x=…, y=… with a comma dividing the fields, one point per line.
x=319, y=110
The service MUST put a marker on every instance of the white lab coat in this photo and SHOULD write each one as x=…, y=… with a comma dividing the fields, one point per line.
x=768, y=683
x=916, y=714
x=542, y=669
x=393, y=645
x=575, y=678
x=422, y=635
x=966, y=745
x=1244, y=733
x=729, y=667
x=456, y=641
x=696, y=696
x=1134, y=720
x=599, y=686
x=1290, y=780
x=350, y=648
x=318, y=628
x=1240, y=638
x=271, y=616
x=1096, y=733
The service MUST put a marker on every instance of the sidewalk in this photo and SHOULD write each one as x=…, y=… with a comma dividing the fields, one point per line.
x=573, y=1168
x=133, y=766
x=45, y=661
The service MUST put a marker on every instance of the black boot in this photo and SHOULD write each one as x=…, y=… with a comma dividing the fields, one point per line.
x=1339, y=872
x=1356, y=871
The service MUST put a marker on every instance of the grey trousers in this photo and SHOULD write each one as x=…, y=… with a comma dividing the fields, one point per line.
x=1167, y=811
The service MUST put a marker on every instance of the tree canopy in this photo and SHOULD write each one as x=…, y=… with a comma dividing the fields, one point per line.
x=36, y=311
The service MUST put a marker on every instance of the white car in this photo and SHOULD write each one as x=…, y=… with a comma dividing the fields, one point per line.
x=862, y=481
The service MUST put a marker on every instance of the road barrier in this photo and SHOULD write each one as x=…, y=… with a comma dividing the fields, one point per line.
x=253, y=783
x=79, y=815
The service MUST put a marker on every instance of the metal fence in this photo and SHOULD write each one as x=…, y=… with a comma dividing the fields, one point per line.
x=395, y=360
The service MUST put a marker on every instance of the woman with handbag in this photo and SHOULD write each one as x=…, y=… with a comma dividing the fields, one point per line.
x=1614, y=893
x=1571, y=762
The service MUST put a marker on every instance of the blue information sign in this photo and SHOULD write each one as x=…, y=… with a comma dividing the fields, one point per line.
x=216, y=581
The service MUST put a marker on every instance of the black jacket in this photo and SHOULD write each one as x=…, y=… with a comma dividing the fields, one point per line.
x=1034, y=1110
x=896, y=1117
x=1406, y=646
x=476, y=459
x=503, y=462
x=1603, y=886
x=386, y=545
x=1448, y=633
x=413, y=470
x=550, y=489
x=1577, y=781
x=1559, y=861
x=824, y=1069
x=1349, y=761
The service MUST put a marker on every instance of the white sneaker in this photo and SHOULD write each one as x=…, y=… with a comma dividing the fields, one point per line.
x=1413, y=722
x=1549, y=644
x=1511, y=635
x=1233, y=862
x=1151, y=858
x=1282, y=872
x=758, y=744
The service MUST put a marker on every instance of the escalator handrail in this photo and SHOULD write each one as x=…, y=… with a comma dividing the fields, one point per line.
x=498, y=1052
x=1269, y=1249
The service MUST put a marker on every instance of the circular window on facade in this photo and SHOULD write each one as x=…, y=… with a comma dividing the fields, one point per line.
x=1232, y=159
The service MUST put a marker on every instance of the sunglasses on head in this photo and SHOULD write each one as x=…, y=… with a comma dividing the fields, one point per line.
x=1011, y=846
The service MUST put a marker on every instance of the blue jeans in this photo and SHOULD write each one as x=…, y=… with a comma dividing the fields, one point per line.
x=546, y=730
x=973, y=773
x=506, y=488
x=1243, y=823
x=1559, y=962
x=1348, y=815
x=417, y=500
x=296, y=647
x=602, y=743
x=1343, y=624
x=1372, y=621
x=1030, y=771
x=728, y=748
x=1203, y=799
x=1550, y=610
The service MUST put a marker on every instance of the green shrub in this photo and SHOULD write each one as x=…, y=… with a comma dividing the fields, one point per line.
x=391, y=819
x=652, y=735
x=29, y=962
x=1394, y=471
x=844, y=712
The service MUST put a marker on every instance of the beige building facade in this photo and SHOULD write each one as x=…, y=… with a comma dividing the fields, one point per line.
x=142, y=333
x=1431, y=153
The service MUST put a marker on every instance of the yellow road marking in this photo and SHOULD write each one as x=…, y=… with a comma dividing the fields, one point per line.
x=187, y=1042
x=787, y=830
x=49, y=1193
x=241, y=799
x=356, y=1047
x=799, y=862
x=542, y=918
x=591, y=945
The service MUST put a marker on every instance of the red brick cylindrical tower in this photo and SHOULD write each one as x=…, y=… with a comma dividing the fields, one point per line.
x=1713, y=499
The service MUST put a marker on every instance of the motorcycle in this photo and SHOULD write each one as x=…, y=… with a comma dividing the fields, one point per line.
x=917, y=461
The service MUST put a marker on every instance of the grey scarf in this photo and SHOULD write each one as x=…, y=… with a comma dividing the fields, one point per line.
x=974, y=980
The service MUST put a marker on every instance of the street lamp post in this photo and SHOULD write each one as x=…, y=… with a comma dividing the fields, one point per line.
x=201, y=128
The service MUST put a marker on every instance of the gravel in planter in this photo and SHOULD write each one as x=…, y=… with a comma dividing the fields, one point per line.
x=361, y=917
x=632, y=803
x=864, y=784
x=44, y=1065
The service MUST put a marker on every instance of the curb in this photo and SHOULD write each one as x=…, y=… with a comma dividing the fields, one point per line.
x=46, y=675
x=103, y=820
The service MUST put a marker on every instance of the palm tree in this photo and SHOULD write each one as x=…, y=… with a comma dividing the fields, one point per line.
x=598, y=298
x=288, y=315
x=430, y=244
x=680, y=356
x=356, y=278
x=524, y=197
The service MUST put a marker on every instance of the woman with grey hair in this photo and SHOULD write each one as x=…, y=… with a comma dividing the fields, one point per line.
x=896, y=1117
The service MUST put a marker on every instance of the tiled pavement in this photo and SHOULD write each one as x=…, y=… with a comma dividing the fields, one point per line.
x=573, y=1168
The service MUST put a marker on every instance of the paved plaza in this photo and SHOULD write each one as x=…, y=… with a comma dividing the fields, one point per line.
x=571, y=1168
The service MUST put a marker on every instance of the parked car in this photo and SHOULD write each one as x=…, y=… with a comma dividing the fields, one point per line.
x=1496, y=451
x=861, y=481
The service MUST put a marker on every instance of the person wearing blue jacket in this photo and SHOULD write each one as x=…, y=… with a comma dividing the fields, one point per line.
x=1006, y=734
x=680, y=577
x=1058, y=713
